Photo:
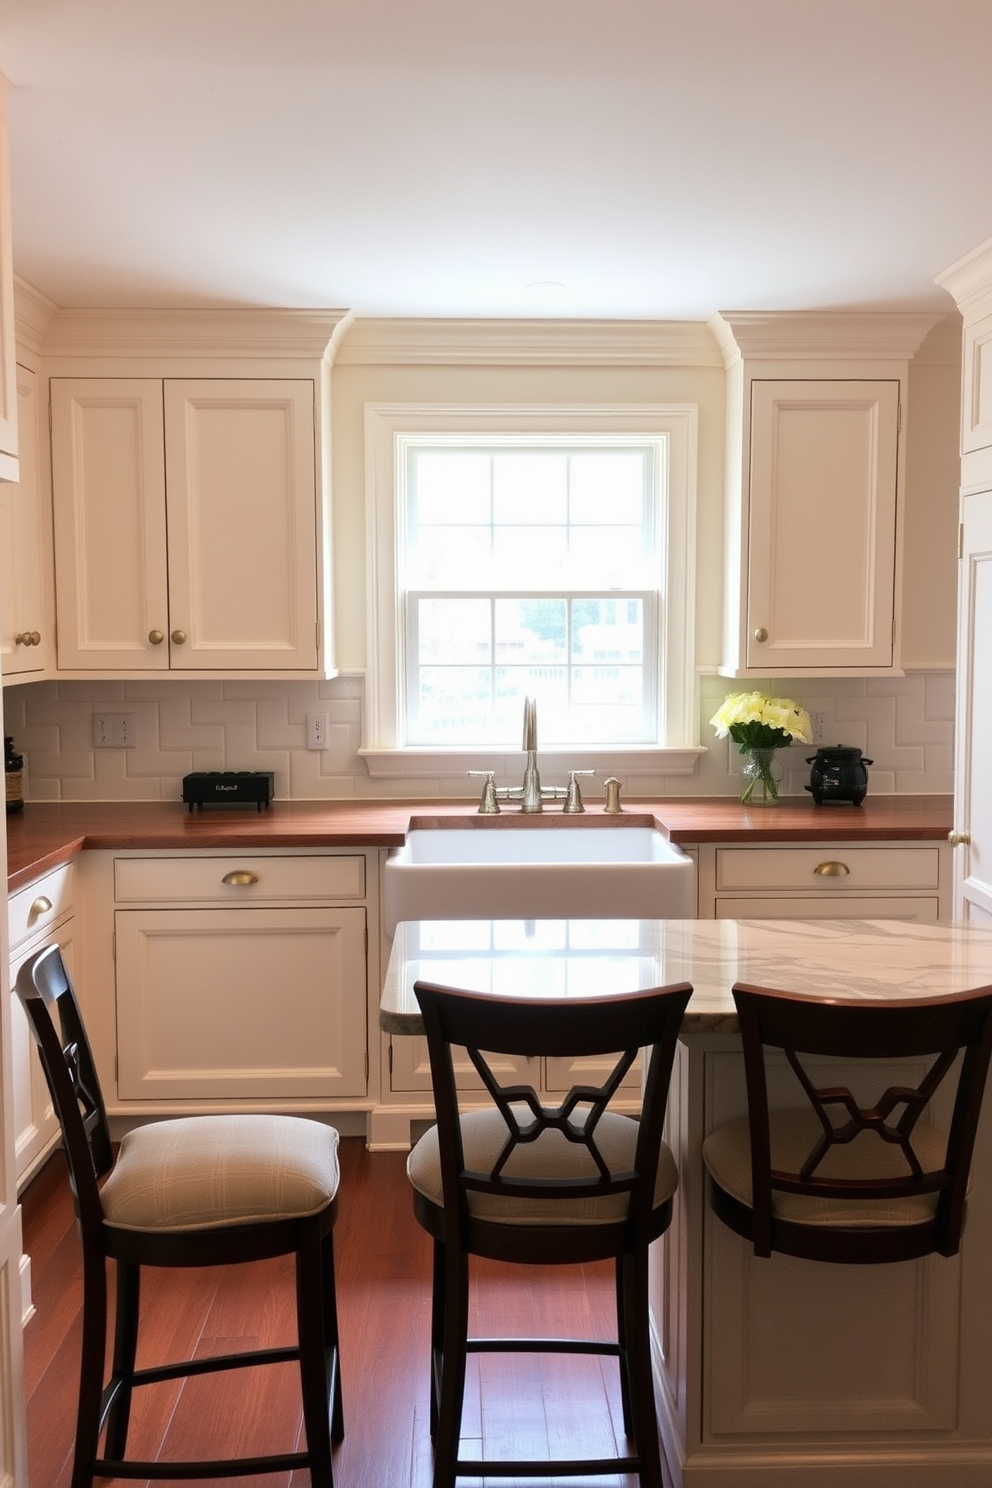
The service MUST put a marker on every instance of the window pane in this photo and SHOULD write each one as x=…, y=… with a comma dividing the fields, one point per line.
x=609, y=483
x=440, y=557
x=455, y=704
x=454, y=630
x=451, y=486
x=529, y=487
x=531, y=630
x=608, y=630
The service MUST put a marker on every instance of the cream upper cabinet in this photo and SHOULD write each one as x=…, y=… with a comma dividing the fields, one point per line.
x=185, y=524
x=815, y=482
x=821, y=528
x=26, y=628
x=8, y=370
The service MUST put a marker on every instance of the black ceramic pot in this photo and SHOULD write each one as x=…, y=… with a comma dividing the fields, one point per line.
x=838, y=774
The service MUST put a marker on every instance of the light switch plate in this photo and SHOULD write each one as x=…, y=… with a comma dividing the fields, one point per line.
x=114, y=731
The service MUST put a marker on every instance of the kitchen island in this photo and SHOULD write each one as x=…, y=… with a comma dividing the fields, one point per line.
x=779, y=1372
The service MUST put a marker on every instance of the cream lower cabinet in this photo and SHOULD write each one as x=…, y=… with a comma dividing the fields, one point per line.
x=241, y=980
x=907, y=881
x=185, y=524
x=39, y=915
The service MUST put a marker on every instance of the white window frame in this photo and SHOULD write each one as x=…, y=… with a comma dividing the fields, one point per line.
x=383, y=750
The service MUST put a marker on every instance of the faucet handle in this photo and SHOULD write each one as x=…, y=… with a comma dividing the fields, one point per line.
x=488, y=805
x=612, y=805
x=573, y=796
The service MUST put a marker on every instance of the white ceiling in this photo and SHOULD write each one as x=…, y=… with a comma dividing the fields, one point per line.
x=604, y=158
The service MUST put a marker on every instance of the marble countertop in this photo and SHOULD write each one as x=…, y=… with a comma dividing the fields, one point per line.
x=46, y=834
x=580, y=958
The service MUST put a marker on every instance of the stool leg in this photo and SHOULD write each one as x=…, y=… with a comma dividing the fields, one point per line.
x=637, y=1337
x=315, y=1381
x=91, y=1366
x=452, y=1367
x=332, y=1349
x=125, y=1350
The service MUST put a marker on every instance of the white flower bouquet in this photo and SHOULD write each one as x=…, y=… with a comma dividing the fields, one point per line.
x=759, y=725
x=756, y=721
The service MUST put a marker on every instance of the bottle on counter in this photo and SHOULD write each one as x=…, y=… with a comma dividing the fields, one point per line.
x=13, y=764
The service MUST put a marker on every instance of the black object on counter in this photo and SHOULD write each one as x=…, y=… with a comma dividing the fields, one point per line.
x=13, y=764
x=228, y=788
x=838, y=774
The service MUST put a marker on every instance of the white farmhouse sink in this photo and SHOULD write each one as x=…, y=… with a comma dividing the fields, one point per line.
x=538, y=873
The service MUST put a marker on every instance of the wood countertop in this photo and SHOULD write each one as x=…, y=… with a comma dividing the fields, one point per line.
x=46, y=834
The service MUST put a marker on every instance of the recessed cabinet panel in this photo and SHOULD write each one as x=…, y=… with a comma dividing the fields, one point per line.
x=822, y=524
x=25, y=551
x=108, y=481
x=976, y=399
x=973, y=726
x=242, y=548
x=8, y=372
x=243, y=1005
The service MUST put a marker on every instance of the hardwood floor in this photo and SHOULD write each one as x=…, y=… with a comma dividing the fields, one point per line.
x=525, y=1406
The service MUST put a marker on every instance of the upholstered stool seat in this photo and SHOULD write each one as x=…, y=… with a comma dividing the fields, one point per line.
x=794, y=1133
x=208, y=1172
x=551, y=1157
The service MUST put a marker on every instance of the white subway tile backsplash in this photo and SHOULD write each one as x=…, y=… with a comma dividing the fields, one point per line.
x=905, y=724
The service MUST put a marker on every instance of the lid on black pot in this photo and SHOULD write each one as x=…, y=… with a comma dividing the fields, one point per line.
x=839, y=753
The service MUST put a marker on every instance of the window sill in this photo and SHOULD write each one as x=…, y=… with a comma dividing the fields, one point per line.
x=398, y=764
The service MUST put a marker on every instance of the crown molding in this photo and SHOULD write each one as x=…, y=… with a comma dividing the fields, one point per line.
x=478, y=342
x=820, y=335
x=969, y=279
x=33, y=313
x=152, y=334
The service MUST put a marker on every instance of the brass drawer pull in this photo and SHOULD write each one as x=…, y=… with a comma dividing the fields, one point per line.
x=832, y=870
x=42, y=905
x=240, y=878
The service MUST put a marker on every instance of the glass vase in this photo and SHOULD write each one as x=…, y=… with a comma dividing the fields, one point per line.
x=761, y=772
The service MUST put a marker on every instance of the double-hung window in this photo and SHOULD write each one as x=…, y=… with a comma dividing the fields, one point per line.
x=530, y=553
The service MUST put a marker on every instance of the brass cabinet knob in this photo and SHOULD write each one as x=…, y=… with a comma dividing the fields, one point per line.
x=27, y=638
x=240, y=879
x=761, y=634
x=179, y=637
x=959, y=839
x=156, y=637
x=832, y=870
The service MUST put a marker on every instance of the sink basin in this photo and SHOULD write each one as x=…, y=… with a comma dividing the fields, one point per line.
x=538, y=873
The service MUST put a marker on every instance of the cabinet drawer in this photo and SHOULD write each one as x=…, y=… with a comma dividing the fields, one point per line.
x=33, y=909
x=898, y=868
x=200, y=878
x=920, y=909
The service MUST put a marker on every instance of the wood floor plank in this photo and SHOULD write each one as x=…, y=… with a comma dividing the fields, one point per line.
x=383, y=1269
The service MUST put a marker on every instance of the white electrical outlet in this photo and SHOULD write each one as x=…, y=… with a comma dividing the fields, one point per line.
x=819, y=721
x=114, y=731
x=316, y=730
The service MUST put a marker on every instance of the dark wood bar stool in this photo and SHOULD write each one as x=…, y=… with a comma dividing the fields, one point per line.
x=835, y=1176
x=520, y=1181
x=197, y=1191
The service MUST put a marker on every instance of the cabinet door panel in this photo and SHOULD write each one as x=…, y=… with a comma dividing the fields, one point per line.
x=241, y=1004
x=109, y=507
x=25, y=550
x=973, y=726
x=822, y=524
x=242, y=523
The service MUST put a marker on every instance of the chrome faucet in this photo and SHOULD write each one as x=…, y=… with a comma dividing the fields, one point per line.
x=532, y=794
x=532, y=778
